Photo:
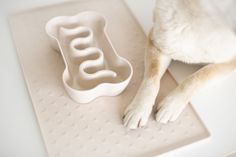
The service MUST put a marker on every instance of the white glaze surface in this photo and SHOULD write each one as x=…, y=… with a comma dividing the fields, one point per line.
x=92, y=66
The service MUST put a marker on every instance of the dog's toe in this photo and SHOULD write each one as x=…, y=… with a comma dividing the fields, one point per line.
x=169, y=110
x=136, y=117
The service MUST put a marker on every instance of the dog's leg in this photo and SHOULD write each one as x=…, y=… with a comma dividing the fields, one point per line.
x=137, y=113
x=171, y=106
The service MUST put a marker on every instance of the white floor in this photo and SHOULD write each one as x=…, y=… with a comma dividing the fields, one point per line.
x=19, y=132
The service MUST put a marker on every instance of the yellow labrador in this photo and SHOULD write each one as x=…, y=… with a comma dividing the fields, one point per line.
x=183, y=30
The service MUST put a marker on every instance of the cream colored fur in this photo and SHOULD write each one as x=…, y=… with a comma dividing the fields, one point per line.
x=183, y=30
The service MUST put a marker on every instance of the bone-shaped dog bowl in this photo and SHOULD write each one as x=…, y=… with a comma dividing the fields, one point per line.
x=92, y=66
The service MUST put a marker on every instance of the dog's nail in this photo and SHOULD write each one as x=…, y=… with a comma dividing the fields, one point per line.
x=123, y=117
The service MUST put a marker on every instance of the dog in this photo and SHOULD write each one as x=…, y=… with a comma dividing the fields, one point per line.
x=183, y=30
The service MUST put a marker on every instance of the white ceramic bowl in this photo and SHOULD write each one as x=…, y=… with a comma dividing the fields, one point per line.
x=92, y=66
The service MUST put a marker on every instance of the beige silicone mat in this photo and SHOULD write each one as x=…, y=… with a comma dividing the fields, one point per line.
x=95, y=129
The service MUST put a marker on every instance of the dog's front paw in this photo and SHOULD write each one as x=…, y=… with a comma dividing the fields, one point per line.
x=170, y=109
x=136, y=115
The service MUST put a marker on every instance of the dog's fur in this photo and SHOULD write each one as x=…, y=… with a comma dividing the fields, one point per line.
x=182, y=31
